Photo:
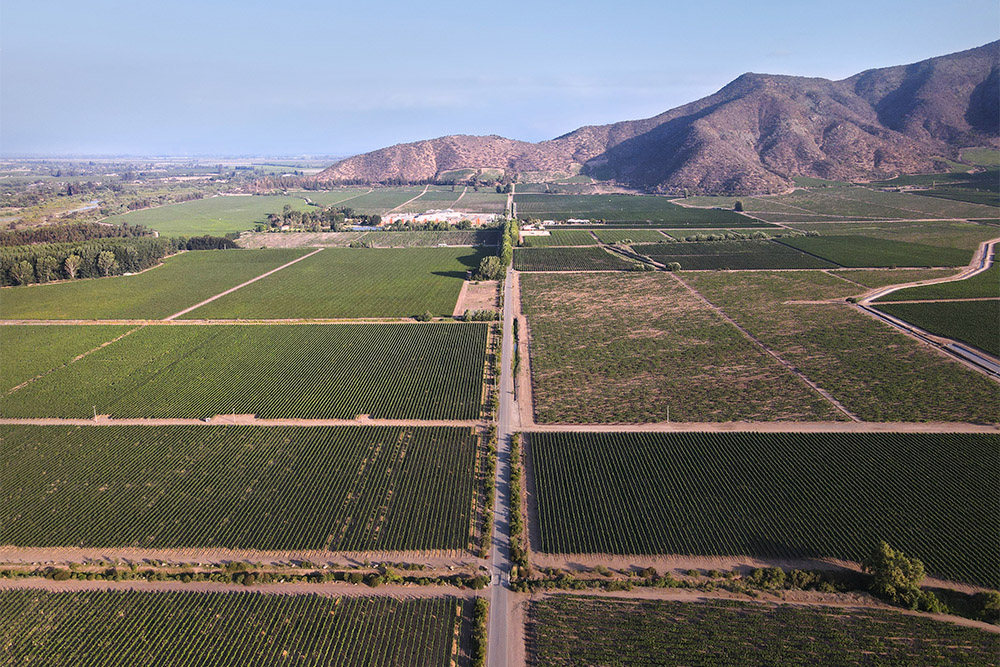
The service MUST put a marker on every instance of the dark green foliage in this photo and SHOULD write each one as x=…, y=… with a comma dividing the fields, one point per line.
x=130, y=254
x=480, y=641
x=574, y=630
x=773, y=495
x=974, y=322
x=864, y=251
x=74, y=232
x=143, y=629
x=327, y=371
x=490, y=268
x=238, y=487
x=716, y=255
x=897, y=579
x=210, y=243
x=568, y=259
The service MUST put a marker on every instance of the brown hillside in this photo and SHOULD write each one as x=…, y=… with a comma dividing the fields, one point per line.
x=754, y=135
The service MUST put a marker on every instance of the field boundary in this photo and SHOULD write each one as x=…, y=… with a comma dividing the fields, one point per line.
x=241, y=285
x=245, y=420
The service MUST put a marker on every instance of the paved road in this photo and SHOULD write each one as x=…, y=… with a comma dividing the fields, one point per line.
x=496, y=655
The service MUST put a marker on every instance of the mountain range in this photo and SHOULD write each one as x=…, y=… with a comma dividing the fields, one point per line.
x=753, y=136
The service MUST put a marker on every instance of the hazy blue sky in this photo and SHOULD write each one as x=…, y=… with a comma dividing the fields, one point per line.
x=309, y=77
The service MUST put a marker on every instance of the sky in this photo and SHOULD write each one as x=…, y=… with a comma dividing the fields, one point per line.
x=309, y=77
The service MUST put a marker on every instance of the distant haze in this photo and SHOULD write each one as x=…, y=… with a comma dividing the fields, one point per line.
x=339, y=78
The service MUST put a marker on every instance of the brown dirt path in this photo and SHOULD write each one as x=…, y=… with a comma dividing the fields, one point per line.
x=241, y=285
x=104, y=420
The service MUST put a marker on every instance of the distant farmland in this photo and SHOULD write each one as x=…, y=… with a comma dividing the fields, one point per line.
x=212, y=215
x=238, y=487
x=931, y=495
x=622, y=209
x=331, y=371
x=972, y=322
x=718, y=255
x=569, y=259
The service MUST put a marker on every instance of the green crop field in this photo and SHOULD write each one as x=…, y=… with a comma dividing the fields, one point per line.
x=348, y=488
x=974, y=322
x=354, y=282
x=884, y=277
x=877, y=372
x=981, y=285
x=481, y=202
x=561, y=237
x=343, y=197
x=182, y=281
x=568, y=259
x=331, y=371
x=640, y=209
x=382, y=200
x=629, y=347
x=963, y=195
x=773, y=495
x=568, y=630
x=29, y=351
x=982, y=156
x=721, y=255
x=223, y=629
x=212, y=215
x=629, y=236
x=942, y=233
x=865, y=203
x=436, y=198
x=860, y=251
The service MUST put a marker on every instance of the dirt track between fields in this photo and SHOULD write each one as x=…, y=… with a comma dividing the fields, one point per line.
x=105, y=420
x=775, y=427
x=216, y=322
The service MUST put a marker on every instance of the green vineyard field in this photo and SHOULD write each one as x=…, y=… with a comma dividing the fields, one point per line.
x=721, y=255
x=182, y=281
x=860, y=251
x=181, y=629
x=561, y=237
x=211, y=215
x=354, y=282
x=577, y=630
x=974, y=322
x=237, y=487
x=625, y=209
x=568, y=259
x=325, y=371
x=632, y=236
x=773, y=495
x=29, y=350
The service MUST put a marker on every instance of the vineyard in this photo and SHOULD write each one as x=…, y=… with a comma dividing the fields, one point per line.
x=972, y=322
x=778, y=495
x=576, y=630
x=884, y=277
x=878, y=373
x=182, y=281
x=632, y=236
x=180, y=629
x=29, y=351
x=561, y=237
x=981, y=285
x=568, y=259
x=625, y=209
x=353, y=282
x=327, y=371
x=860, y=251
x=238, y=487
x=631, y=347
x=723, y=255
x=941, y=233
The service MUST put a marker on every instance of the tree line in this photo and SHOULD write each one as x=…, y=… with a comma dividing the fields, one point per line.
x=94, y=258
x=70, y=233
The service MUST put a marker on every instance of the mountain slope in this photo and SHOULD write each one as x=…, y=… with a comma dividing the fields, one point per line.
x=754, y=135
